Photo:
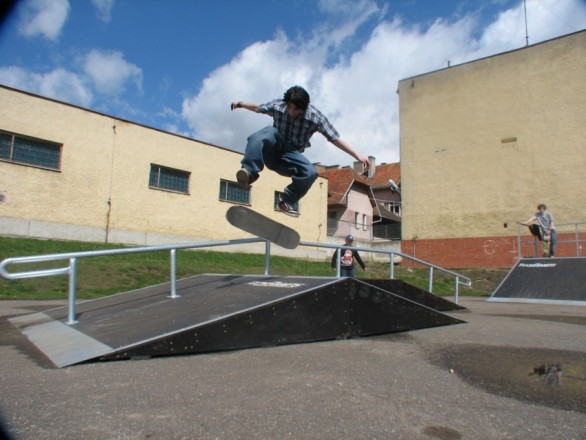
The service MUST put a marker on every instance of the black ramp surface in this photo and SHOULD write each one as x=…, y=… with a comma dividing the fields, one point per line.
x=406, y=290
x=223, y=312
x=553, y=280
x=146, y=314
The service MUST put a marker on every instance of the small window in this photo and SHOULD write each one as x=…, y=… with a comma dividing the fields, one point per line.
x=394, y=207
x=169, y=179
x=357, y=220
x=233, y=192
x=36, y=152
x=278, y=196
x=364, y=222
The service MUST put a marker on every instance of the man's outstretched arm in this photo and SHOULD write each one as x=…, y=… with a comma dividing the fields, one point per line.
x=245, y=105
x=345, y=146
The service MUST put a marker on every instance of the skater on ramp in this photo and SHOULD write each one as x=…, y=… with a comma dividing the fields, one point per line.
x=544, y=219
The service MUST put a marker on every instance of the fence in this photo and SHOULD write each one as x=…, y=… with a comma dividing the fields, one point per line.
x=569, y=240
x=71, y=269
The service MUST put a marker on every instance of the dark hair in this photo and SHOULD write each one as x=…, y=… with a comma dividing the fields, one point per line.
x=298, y=96
x=541, y=205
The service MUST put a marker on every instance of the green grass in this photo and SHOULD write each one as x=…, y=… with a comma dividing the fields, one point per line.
x=101, y=276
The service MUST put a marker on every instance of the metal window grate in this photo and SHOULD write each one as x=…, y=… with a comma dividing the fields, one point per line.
x=169, y=179
x=30, y=151
x=232, y=192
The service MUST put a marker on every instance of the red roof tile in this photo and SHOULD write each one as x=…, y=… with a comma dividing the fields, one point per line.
x=339, y=183
x=340, y=180
x=385, y=172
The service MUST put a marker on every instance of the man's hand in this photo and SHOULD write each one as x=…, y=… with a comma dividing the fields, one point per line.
x=236, y=105
x=364, y=161
x=344, y=146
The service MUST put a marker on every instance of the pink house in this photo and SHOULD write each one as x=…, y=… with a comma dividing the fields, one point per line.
x=364, y=204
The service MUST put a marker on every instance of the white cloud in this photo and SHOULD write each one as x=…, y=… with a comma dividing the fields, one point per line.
x=110, y=72
x=58, y=84
x=358, y=91
x=65, y=86
x=104, y=9
x=346, y=17
x=104, y=73
x=43, y=18
x=208, y=113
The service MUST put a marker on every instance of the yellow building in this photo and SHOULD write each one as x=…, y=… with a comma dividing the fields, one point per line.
x=71, y=173
x=483, y=143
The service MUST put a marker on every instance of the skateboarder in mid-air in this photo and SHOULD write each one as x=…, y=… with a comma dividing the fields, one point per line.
x=279, y=147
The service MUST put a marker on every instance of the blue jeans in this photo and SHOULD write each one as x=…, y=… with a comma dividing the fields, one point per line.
x=265, y=148
x=349, y=272
x=552, y=243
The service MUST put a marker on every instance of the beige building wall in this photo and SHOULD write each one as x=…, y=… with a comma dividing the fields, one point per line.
x=483, y=143
x=101, y=191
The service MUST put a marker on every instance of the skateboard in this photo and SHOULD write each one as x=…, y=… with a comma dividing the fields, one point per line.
x=546, y=245
x=261, y=226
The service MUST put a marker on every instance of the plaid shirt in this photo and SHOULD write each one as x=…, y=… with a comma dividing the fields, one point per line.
x=297, y=132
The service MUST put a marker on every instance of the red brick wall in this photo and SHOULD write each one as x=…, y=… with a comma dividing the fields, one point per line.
x=481, y=252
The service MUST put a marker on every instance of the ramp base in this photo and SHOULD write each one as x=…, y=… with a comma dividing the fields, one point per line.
x=224, y=312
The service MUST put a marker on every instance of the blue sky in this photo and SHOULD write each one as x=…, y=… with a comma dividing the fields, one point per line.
x=177, y=64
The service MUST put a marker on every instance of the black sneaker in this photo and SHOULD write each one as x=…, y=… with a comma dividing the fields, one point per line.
x=245, y=178
x=287, y=208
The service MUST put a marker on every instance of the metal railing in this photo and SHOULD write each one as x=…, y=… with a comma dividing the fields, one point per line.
x=562, y=230
x=72, y=257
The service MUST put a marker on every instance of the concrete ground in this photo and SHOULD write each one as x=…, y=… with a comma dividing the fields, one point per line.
x=479, y=380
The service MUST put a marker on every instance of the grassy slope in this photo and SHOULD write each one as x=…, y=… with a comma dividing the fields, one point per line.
x=106, y=275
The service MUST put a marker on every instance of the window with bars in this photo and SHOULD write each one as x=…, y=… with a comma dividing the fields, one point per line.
x=24, y=150
x=233, y=192
x=169, y=179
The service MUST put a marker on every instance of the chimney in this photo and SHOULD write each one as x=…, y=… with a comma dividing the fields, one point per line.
x=372, y=166
x=358, y=167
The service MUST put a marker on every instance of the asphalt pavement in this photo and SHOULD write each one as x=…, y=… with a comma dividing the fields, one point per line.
x=484, y=379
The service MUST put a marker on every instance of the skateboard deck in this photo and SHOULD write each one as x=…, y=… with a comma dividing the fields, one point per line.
x=261, y=226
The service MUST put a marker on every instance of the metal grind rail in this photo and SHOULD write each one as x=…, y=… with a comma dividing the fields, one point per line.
x=574, y=237
x=72, y=257
x=458, y=278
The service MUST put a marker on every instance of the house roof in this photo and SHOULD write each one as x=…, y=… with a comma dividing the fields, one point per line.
x=385, y=213
x=385, y=172
x=340, y=181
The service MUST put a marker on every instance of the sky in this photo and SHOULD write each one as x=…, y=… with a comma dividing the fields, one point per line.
x=176, y=65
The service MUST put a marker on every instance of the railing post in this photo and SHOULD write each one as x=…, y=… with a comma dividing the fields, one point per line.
x=267, y=257
x=72, y=281
x=431, y=279
x=519, y=243
x=456, y=289
x=392, y=266
x=576, y=227
x=173, y=277
x=339, y=263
